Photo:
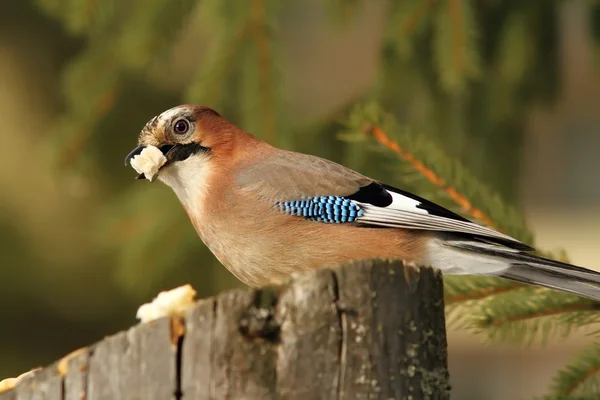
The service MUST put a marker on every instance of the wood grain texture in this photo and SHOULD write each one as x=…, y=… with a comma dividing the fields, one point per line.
x=242, y=367
x=45, y=384
x=137, y=364
x=196, y=367
x=75, y=379
x=368, y=330
x=394, y=332
x=308, y=366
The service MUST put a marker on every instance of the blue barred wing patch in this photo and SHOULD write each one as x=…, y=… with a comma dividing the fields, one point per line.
x=330, y=209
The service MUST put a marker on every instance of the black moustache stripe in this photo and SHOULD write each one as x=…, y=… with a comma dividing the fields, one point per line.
x=182, y=152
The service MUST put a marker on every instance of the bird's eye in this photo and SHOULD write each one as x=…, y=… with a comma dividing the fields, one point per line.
x=181, y=126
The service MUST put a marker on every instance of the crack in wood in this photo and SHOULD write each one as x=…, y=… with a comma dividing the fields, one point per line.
x=343, y=326
x=178, y=357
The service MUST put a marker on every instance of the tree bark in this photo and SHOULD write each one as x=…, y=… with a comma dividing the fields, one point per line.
x=367, y=330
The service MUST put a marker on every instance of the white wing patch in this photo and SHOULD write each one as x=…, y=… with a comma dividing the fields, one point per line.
x=404, y=203
x=405, y=213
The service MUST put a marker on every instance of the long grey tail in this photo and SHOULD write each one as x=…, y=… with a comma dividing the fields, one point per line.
x=535, y=270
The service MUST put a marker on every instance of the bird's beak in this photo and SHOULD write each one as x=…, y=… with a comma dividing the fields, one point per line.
x=132, y=154
x=164, y=149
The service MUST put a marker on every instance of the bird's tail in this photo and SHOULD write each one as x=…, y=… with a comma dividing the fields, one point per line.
x=527, y=268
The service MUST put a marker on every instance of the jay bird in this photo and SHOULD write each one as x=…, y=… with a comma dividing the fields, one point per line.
x=266, y=213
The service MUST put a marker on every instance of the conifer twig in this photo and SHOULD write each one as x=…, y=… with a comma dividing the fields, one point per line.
x=589, y=373
x=481, y=293
x=210, y=78
x=458, y=38
x=581, y=375
x=261, y=41
x=431, y=176
x=457, y=291
x=416, y=16
x=545, y=312
x=72, y=150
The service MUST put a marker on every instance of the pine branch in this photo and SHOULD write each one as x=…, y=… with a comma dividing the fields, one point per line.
x=53, y=8
x=141, y=42
x=92, y=81
x=91, y=86
x=524, y=316
x=432, y=177
x=564, y=397
x=451, y=178
x=462, y=295
x=581, y=377
x=81, y=14
x=239, y=73
x=455, y=51
x=343, y=11
x=87, y=17
x=219, y=64
x=260, y=36
x=514, y=53
x=415, y=16
x=458, y=34
x=457, y=184
x=502, y=309
x=459, y=290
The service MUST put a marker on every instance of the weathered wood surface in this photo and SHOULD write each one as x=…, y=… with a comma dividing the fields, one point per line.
x=369, y=330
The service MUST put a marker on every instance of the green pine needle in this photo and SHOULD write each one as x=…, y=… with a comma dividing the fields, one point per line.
x=240, y=68
x=581, y=377
x=141, y=43
x=564, y=397
x=456, y=54
x=456, y=176
x=461, y=289
x=526, y=316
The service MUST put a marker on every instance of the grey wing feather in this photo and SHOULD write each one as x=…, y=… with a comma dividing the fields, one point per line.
x=394, y=217
x=535, y=270
x=289, y=176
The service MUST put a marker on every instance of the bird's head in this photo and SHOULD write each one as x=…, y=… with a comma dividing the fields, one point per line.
x=186, y=135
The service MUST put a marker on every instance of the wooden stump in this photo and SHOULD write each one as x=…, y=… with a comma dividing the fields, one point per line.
x=367, y=330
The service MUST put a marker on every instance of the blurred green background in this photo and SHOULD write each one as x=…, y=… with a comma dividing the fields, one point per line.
x=509, y=88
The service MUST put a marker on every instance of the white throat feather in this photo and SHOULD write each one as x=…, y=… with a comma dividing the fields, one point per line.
x=189, y=179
